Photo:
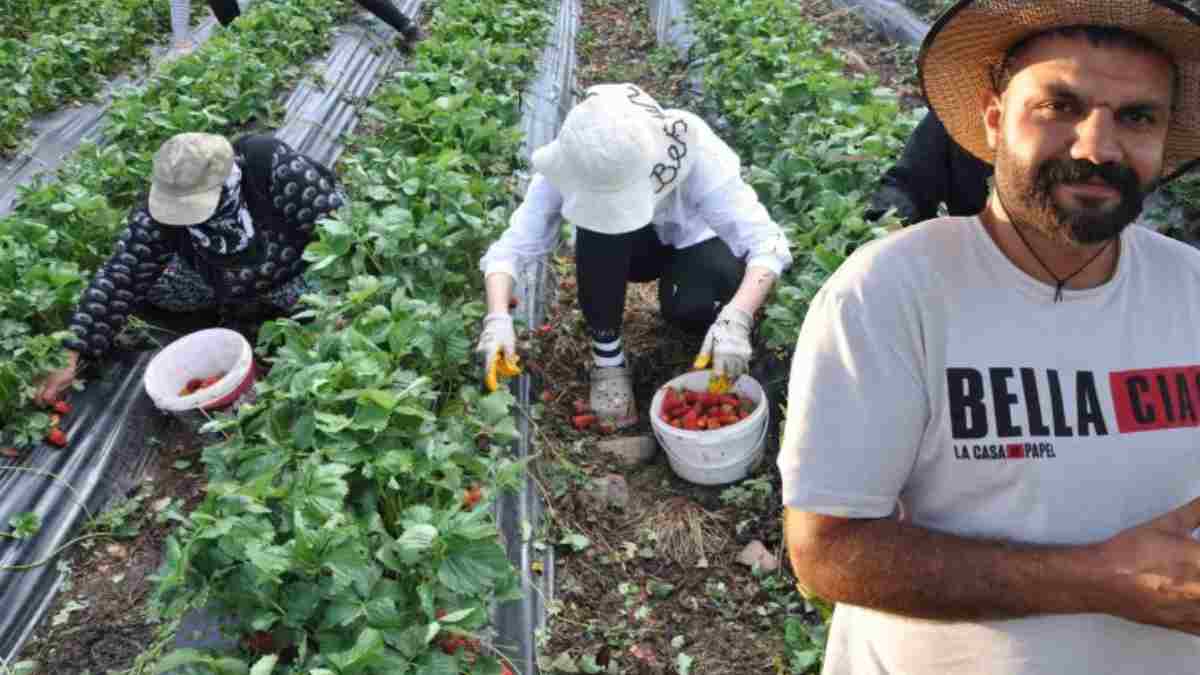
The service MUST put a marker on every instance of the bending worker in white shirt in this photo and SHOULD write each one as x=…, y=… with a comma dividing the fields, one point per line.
x=654, y=194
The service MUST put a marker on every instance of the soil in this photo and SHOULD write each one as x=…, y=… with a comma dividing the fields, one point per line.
x=110, y=578
x=662, y=568
x=866, y=52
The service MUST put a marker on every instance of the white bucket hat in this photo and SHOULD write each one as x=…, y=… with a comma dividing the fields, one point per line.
x=617, y=155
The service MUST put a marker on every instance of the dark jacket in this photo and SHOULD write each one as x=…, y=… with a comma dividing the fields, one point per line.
x=933, y=170
x=285, y=193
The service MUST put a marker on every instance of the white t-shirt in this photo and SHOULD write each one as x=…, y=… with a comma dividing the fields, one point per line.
x=713, y=201
x=932, y=372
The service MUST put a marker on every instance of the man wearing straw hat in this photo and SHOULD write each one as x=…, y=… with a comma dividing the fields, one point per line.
x=654, y=194
x=991, y=460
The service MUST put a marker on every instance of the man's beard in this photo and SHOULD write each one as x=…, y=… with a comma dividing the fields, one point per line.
x=1027, y=195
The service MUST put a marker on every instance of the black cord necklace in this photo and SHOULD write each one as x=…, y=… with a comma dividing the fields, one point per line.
x=1058, y=283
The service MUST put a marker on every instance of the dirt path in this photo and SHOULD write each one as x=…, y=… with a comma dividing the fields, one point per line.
x=100, y=621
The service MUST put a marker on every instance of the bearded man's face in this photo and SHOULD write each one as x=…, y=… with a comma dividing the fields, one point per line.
x=1079, y=135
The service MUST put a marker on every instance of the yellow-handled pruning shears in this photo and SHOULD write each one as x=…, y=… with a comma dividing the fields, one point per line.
x=717, y=384
x=501, y=366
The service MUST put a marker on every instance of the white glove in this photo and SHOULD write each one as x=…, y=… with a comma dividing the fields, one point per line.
x=498, y=336
x=727, y=345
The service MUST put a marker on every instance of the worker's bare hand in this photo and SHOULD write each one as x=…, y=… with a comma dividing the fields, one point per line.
x=57, y=382
x=1153, y=571
x=55, y=385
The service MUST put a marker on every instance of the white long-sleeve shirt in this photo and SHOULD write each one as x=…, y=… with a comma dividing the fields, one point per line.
x=713, y=201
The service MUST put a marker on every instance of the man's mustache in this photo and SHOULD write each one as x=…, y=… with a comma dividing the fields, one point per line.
x=1117, y=176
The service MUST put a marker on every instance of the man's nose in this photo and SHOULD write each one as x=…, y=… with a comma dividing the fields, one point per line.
x=1096, y=138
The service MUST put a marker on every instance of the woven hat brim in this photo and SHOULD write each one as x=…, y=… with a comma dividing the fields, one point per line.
x=964, y=45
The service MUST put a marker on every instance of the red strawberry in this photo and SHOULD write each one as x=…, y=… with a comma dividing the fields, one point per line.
x=545, y=329
x=547, y=396
x=57, y=437
x=512, y=302
x=582, y=422
x=451, y=644
x=471, y=497
x=62, y=407
x=582, y=407
x=260, y=641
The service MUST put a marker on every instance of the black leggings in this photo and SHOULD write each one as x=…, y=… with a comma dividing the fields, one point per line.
x=694, y=282
x=227, y=10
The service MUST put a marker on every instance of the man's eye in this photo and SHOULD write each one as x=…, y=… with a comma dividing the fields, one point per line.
x=1138, y=118
x=1060, y=106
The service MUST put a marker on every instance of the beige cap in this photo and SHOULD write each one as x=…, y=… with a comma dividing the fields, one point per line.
x=189, y=170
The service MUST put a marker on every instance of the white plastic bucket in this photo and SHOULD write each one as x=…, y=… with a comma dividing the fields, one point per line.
x=200, y=355
x=716, y=456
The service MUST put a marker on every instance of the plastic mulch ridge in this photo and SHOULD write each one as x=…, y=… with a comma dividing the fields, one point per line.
x=112, y=417
x=545, y=104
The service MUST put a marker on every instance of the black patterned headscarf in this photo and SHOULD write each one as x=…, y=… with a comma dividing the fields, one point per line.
x=230, y=229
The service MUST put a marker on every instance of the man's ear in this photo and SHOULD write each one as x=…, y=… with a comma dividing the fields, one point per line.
x=992, y=118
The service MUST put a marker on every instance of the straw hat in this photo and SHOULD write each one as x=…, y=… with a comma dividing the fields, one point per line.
x=618, y=154
x=973, y=36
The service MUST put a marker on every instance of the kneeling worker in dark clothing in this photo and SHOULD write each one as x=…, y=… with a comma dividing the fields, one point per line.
x=933, y=171
x=224, y=227
x=228, y=10
x=654, y=194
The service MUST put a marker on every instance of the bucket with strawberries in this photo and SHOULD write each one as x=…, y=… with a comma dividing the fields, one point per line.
x=203, y=371
x=710, y=438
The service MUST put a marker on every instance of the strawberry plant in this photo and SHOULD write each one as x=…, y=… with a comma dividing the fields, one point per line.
x=64, y=52
x=815, y=140
x=349, y=514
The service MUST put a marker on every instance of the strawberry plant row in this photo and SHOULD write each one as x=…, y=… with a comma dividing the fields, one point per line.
x=68, y=55
x=62, y=228
x=348, y=525
x=23, y=18
x=815, y=139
